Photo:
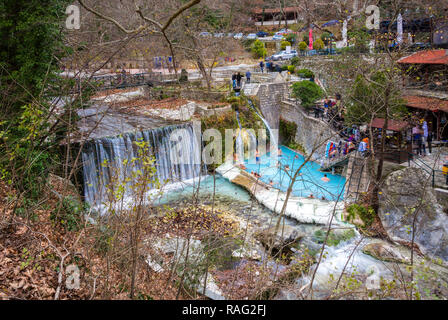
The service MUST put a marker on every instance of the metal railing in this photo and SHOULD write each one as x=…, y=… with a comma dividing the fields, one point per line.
x=120, y=81
x=425, y=167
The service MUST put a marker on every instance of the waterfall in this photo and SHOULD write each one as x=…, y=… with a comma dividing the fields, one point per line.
x=108, y=160
x=274, y=138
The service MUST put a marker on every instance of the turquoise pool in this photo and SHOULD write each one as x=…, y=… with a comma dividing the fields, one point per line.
x=308, y=183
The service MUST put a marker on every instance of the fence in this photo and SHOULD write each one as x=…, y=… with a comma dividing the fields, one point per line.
x=123, y=80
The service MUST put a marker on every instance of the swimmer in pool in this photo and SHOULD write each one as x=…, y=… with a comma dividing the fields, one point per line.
x=325, y=178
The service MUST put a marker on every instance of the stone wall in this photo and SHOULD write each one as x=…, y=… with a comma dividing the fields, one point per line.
x=311, y=132
x=270, y=96
x=202, y=95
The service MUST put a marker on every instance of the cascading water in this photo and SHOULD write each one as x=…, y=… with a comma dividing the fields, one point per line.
x=109, y=160
x=273, y=138
x=239, y=141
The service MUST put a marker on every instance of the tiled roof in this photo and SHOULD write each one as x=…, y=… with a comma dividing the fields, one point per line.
x=393, y=125
x=425, y=103
x=427, y=57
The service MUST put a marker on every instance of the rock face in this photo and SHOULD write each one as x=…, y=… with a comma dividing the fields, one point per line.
x=407, y=194
x=63, y=187
x=385, y=252
x=196, y=257
x=280, y=238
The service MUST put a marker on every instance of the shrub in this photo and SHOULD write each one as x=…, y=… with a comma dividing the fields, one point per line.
x=295, y=61
x=248, y=43
x=306, y=39
x=285, y=44
x=308, y=92
x=367, y=215
x=318, y=44
x=291, y=68
x=183, y=76
x=284, y=67
x=70, y=215
x=287, y=131
x=303, y=46
x=326, y=37
x=258, y=49
x=305, y=73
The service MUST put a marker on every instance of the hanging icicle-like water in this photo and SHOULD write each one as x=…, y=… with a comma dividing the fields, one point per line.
x=106, y=161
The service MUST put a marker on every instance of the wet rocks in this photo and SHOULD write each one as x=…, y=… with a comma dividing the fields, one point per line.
x=407, y=199
x=177, y=248
x=385, y=252
x=280, y=237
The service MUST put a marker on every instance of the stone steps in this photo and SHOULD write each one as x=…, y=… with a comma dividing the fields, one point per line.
x=357, y=176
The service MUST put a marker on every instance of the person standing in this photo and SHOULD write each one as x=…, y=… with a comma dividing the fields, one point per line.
x=417, y=137
x=234, y=80
x=357, y=134
x=261, y=66
x=425, y=135
x=326, y=106
x=248, y=74
x=238, y=79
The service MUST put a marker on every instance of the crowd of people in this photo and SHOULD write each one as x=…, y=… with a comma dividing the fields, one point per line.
x=420, y=137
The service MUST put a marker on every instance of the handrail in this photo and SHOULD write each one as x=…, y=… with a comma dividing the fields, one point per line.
x=428, y=169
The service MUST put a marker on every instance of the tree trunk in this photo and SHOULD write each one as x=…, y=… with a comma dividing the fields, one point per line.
x=379, y=171
x=204, y=73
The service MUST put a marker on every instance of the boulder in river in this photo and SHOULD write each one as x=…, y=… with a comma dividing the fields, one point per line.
x=280, y=238
x=385, y=252
x=407, y=199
